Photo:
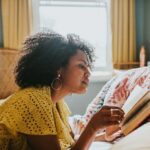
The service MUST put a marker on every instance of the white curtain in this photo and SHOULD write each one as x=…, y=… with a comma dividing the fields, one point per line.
x=16, y=21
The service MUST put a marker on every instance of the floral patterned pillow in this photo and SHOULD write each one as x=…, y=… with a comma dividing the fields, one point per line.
x=116, y=91
x=125, y=83
x=98, y=101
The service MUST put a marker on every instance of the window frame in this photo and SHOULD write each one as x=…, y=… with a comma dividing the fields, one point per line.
x=98, y=71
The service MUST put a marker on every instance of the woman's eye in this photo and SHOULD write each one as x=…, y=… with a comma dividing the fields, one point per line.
x=82, y=66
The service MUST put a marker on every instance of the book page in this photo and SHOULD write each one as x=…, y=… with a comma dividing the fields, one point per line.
x=137, y=93
x=137, y=119
x=139, y=96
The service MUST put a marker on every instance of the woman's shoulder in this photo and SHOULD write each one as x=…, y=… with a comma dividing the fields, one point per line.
x=30, y=105
x=33, y=92
x=31, y=95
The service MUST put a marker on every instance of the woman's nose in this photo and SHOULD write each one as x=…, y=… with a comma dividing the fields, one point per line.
x=88, y=71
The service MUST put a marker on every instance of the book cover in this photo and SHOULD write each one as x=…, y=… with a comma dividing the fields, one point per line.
x=136, y=108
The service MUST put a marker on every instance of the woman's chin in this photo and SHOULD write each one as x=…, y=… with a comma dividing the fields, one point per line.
x=82, y=91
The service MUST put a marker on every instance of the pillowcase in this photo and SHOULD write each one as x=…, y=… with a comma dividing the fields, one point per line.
x=116, y=91
x=137, y=140
x=125, y=83
x=98, y=101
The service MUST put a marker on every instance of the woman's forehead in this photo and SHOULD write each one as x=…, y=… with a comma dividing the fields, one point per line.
x=80, y=56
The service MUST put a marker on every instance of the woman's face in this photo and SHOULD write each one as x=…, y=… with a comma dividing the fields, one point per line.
x=75, y=76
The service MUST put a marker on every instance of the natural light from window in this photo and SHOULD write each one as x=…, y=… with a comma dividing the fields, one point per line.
x=85, y=19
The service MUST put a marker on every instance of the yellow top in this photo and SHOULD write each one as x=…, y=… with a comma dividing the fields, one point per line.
x=31, y=111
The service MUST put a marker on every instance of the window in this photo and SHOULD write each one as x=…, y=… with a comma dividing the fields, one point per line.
x=87, y=18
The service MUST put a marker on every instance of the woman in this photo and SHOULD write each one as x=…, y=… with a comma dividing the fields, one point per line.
x=35, y=117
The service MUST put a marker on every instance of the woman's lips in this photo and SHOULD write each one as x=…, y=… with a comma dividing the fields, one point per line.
x=86, y=81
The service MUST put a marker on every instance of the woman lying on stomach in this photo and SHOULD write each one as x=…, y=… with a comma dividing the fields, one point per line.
x=36, y=117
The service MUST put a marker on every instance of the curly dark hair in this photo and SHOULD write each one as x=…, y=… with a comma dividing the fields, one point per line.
x=45, y=54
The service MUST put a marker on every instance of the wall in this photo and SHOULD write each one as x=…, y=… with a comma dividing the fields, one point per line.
x=139, y=25
x=147, y=27
x=143, y=26
x=79, y=103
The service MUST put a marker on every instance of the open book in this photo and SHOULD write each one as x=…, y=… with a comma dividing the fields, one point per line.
x=136, y=108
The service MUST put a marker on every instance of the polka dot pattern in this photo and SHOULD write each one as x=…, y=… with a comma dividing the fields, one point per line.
x=31, y=111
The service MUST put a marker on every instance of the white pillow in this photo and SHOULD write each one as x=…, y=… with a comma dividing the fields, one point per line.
x=137, y=140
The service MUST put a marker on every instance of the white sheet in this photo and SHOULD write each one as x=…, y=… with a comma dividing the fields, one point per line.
x=137, y=140
x=100, y=146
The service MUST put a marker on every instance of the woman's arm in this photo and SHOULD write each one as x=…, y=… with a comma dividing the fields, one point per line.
x=43, y=142
x=85, y=139
x=110, y=134
x=100, y=120
x=50, y=142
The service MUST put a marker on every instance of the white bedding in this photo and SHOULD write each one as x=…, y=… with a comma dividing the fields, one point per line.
x=137, y=140
x=100, y=146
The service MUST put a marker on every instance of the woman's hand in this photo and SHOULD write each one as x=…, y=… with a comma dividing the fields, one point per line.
x=115, y=136
x=109, y=138
x=106, y=116
x=112, y=132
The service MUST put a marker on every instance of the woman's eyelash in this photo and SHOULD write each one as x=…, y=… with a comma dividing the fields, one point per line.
x=82, y=66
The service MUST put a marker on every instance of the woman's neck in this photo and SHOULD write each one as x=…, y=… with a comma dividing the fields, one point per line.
x=58, y=95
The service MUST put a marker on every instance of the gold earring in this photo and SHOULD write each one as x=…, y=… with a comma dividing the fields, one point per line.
x=56, y=83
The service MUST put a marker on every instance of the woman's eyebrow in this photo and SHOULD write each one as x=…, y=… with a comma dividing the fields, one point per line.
x=83, y=61
x=86, y=63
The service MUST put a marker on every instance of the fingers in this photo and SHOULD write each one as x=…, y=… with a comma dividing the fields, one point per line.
x=107, y=116
x=116, y=118
x=113, y=114
x=113, y=122
x=116, y=112
x=113, y=110
x=112, y=129
x=111, y=138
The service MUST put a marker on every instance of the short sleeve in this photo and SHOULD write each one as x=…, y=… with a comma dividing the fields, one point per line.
x=30, y=114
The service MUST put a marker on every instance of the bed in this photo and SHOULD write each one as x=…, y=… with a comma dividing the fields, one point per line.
x=108, y=95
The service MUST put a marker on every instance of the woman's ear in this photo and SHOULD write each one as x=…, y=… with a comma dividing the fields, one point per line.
x=59, y=71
